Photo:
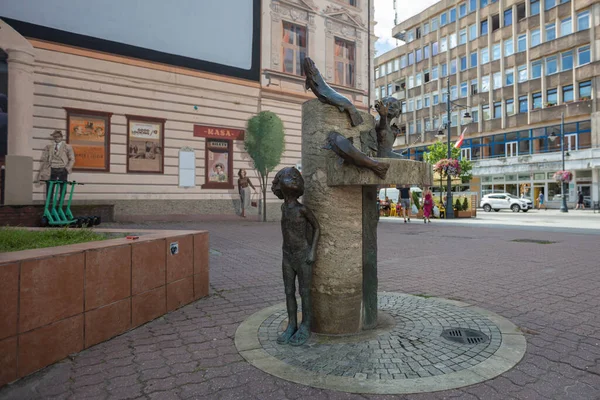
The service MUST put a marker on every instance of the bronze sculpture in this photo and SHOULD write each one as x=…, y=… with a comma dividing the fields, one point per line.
x=388, y=109
x=324, y=92
x=345, y=149
x=301, y=232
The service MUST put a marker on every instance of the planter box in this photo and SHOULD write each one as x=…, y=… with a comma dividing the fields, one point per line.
x=463, y=214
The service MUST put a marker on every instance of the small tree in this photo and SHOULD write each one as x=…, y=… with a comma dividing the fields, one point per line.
x=465, y=205
x=264, y=142
x=439, y=150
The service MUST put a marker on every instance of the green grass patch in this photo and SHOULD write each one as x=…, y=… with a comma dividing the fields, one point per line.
x=17, y=239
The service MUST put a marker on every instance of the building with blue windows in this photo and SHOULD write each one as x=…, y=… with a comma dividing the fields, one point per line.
x=516, y=67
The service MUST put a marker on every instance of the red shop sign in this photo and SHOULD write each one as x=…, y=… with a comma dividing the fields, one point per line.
x=216, y=132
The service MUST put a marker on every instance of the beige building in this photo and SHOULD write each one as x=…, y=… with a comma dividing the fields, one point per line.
x=157, y=120
x=515, y=66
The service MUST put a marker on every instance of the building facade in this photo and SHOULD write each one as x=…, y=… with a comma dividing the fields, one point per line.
x=157, y=118
x=516, y=66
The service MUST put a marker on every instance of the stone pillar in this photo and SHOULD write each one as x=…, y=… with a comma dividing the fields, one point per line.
x=19, y=161
x=338, y=271
x=595, y=184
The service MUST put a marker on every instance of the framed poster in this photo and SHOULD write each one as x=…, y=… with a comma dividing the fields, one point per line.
x=88, y=132
x=218, y=164
x=145, y=144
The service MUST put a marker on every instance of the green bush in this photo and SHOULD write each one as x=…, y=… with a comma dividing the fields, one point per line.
x=465, y=205
x=415, y=199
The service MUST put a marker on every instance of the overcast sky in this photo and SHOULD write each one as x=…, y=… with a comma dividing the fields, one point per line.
x=384, y=15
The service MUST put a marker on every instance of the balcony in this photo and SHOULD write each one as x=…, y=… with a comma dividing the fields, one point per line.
x=399, y=95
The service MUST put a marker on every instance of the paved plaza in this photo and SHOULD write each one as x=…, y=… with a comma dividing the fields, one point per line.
x=545, y=281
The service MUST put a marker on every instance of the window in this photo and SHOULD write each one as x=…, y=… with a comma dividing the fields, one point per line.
x=485, y=56
x=403, y=62
x=510, y=107
x=550, y=31
x=537, y=100
x=390, y=65
x=475, y=114
x=434, y=72
x=403, y=105
x=443, y=44
x=583, y=55
x=390, y=89
x=484, y=28
x=485, y=109
x=344, y=62
x=552, y=97
x=464, y=87
x=549, y=4
x=452, y=67
x=411, y=105
x=520, y=11
x=496, y=53
x=474, y=87
x=495, y=22
x=410, y=36
x=351, y=2
x=497, y=80
x=411, y=82
x=453, y=92
x=463, y=63
x=472, y=5
x=536, y=69
x=434, y=24
x=509, y=76
x=418, y=32
x=434, y=49
x=426, y=52
x=411, y=58
x=535, y=7
x=426, y=76
x=435, y=98
x=443, y=19
x=453, y=15
x=396, y=64
x=418, y=80
x=522, y=70
x=498, y=109
x=473, y=59
x=419, y=103
x=444, y=70
x=566, y=60
x=567, y=93
x=523, y=104
x=583, y=20
x=535, y=37
x=483, y=3
x=485, y=84
x=411, y=128
x=377, y=73
x=473, y=32
x=585, y=90
x=382, y=90
x=566, y=27
x=427, y=101
x=294, y=48
x=462, y=36
x=508, y=17
x=509, y=48
x=522, y=43
x=425, y=28
x=462, y=10
x=452, y=40
x=551, y=65
x=419, y=55
x=454, y=119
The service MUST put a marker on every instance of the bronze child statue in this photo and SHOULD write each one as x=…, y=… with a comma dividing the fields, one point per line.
x=300, y=231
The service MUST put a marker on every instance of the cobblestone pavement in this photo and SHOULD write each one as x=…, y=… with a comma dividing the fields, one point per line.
x=550, y=290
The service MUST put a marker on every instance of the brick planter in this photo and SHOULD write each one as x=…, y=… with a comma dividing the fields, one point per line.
x=61, y=300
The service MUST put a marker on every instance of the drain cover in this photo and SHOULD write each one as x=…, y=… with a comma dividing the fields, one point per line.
x=464, y=336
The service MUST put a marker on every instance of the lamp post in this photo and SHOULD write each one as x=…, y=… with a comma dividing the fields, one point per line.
x=563, y=206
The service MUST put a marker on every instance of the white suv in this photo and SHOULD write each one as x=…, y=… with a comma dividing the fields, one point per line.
x=498, y=201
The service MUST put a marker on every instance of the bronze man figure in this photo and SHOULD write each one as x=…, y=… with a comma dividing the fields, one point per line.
x=301, y=232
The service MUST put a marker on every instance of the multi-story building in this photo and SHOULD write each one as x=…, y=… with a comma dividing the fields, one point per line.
x=154, y=110
x=515, y=66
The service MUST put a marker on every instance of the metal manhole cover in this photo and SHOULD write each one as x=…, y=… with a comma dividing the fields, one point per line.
x=533, y=241
x=465, y=336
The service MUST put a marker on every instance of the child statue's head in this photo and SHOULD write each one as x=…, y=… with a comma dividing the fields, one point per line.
x=288, y=181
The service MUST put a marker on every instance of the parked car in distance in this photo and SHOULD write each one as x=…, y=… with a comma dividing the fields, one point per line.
x=500, y=201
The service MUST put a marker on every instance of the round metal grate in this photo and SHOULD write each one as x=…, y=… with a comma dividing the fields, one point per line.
x=465, y=336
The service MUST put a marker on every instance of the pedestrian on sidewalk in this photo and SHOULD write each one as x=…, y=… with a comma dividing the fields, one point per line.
x=580, y=204
x=405, y=201
x=541, y=201
x=427, y=206
x=244, y=186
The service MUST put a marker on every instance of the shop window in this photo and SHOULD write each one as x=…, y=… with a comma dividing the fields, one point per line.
x=88, y=132
x=521, y=11
x=495, y=22
x=294, y=45
x=145, y=144
x=218, y=166
x=344, y=57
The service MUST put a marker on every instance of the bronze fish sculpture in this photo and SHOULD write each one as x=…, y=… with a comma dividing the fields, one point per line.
x=324, y=92
x=345, y=149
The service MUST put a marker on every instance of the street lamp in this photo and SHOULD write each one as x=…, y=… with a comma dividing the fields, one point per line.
x=552, y=137
x=467, y=119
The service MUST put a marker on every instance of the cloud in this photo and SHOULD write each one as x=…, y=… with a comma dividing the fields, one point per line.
x=384, y=15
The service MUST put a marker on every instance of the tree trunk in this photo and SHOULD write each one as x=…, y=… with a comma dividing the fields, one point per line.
x=264, y=197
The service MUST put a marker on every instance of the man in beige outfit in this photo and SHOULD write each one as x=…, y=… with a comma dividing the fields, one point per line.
x=57, y=160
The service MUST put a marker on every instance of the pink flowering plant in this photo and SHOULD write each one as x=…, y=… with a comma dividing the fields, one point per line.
x=448, y=166
x=563, y=176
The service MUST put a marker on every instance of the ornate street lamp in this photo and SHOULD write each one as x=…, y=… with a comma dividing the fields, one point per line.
x=552, y=137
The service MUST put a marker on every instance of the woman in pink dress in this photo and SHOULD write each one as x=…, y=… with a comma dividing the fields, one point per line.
x=427, y=206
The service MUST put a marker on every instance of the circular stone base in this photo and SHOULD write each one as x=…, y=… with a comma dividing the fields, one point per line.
x=404, y=354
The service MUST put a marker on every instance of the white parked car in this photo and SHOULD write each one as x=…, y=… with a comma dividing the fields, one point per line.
x=499, y=201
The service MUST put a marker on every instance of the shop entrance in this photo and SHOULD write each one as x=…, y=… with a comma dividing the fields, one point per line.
x=537, y=188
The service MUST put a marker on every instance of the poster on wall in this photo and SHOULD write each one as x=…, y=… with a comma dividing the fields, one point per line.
x=88, y=132
x=218, y=164
x=145, y=144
